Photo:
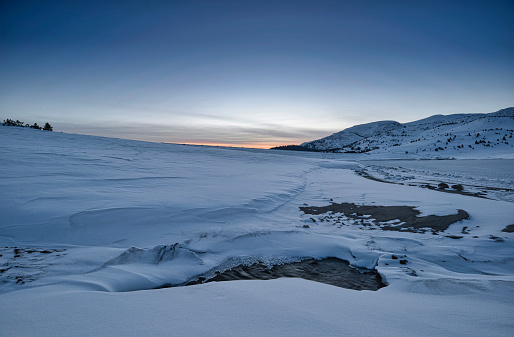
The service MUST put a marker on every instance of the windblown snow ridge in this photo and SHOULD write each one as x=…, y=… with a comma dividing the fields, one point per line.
x=156, y=255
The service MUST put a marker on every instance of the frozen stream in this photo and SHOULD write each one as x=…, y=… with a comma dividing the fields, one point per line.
x=493, y=177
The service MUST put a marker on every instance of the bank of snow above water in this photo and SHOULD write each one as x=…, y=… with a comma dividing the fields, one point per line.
x=89, y=225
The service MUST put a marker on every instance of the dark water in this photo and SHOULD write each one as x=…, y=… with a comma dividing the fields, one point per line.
x=331, y=271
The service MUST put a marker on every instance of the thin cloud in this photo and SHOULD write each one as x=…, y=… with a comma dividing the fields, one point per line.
x=235, y=135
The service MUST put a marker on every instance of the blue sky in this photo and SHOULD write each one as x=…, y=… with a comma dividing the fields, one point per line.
x=251, y=73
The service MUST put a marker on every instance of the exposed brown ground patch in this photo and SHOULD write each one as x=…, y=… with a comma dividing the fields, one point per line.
x=407, y=215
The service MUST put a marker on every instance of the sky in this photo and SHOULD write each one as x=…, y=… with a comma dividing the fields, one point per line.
x=250, y=73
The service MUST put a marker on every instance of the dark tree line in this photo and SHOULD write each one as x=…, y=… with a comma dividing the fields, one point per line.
x=10, y=122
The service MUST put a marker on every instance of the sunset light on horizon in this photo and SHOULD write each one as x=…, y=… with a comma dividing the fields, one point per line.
x=245, y=73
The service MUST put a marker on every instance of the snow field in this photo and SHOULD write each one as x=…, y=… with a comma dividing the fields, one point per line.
x=282, y=307
x=130, y=216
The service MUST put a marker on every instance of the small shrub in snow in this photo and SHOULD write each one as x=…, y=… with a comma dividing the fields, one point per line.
x=10, y=122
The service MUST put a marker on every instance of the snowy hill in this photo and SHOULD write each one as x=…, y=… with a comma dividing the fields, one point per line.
x=351, y=135
x=439, y=136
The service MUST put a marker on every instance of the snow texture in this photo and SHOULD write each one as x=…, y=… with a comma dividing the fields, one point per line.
x=90, y=226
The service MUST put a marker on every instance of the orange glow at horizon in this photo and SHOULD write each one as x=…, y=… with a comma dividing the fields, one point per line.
x=249, y=146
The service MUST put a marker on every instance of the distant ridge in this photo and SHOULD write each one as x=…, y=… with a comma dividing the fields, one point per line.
x=458, y=135
x=352, y=135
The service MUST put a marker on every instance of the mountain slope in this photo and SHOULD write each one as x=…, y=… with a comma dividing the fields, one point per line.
x=351, y=135
x=460, y=135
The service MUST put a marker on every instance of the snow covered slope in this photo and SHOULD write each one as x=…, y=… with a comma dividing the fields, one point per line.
x=352, y=135
x=454, y=136
x=90, y=226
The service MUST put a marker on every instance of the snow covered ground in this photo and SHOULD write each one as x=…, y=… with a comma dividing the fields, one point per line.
x=89, y=226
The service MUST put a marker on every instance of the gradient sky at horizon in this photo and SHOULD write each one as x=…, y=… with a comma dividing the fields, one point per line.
x=250, y=73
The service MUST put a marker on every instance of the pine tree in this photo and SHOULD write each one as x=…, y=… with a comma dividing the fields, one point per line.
x=48, y=127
